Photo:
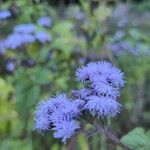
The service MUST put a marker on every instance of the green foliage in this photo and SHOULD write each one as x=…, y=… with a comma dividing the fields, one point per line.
x=79, y=34
x=10, y=144
x=136, y=139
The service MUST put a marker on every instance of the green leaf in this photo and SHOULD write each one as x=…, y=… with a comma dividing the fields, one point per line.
x=11, y=144
x=136, y=140
x=39, y=75
x=63, y=28
x=5, y=89
x=33, y=94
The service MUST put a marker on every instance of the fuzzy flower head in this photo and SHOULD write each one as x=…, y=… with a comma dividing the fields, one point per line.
x=25, y=28
x=2, y=46
x=81, y=94
x=10, y=66
x=63, y=109
x=42, y=116
x=54, y=111
x=45, y=21
x=104, y=69
x=65, y=130
x=42, y=37
x=99, y=98
x=15, y=40
x=102, y=106
x=4, y=14
x=122, y=47
x=104, y=78
x=103, y=83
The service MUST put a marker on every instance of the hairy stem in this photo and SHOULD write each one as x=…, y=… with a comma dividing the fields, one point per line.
x=111, y=137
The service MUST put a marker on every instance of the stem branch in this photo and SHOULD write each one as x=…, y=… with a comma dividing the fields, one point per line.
x=111, y=137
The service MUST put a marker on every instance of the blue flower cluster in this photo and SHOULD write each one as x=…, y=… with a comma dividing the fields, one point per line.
x=15, y=40
x=4, y=14
x=2, y=46
x=44, y=21
x=121, y=47
x=25, y=28
x=102, y=83
x=24, y=34
x=59, y=114
x=42, y=36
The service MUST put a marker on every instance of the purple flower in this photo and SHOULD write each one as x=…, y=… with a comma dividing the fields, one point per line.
x=121, y=48
x=103, y=70
x=122, y=22
x=102, y=106
x=27, y=38
x=103, y=81
x=54, y=111
x=42, y=116
x=15, y=40
x=75, y=12
x=119, y=35
x=42, y=37
x=104, y=88
x=63, y=109
x=65, y=129
x=25, y=28
x=2, y=46
x=4, y=14
x=81, y=94
x=45, y=21
x=10, y=66
x=79, y=104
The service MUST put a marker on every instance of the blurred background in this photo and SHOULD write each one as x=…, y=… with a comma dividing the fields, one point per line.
x=42, y=42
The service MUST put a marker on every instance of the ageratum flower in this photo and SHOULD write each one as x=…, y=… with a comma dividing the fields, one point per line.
x=79, y=104
x=42, y=116
x=42, y=37
x=25, y=28
x=2, y=46
x=102, y=106
x=56, y=112
x=10, y=66
x=103, y=70
x=66, y=113
x=122, y=22
x=27, y=38
x=15, y=40
x=122, y=47
x=81, y=94
x=4, y=14
x=99, y=97
x=118, y=35
x=103, y=81
x=45, y=21
x=65, y=129
x=102, y=87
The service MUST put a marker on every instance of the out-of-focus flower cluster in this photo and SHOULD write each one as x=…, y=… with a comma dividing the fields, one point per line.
x=102, y=83
x=45, y=21
x=4, y=14
x=122, y=41
x=24, y=34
